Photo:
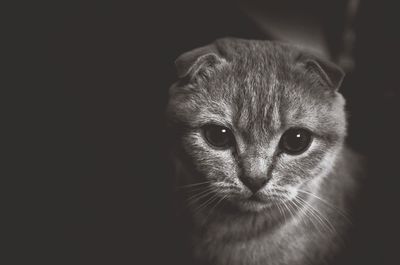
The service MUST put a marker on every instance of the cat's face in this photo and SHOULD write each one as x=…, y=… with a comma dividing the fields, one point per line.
x=256, y=125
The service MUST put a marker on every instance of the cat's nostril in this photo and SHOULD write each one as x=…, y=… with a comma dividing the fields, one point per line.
x=254, y=183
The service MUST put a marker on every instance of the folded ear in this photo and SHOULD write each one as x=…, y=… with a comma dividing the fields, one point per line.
x=197, y=61
x=324, y=72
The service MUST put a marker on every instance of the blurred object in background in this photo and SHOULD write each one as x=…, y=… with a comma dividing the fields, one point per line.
x=324, y=27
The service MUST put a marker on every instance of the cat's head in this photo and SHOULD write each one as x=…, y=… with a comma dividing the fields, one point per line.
x=255, y=121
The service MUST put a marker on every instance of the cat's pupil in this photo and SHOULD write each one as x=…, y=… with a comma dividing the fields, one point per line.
x=218, y=136
x=295, y=141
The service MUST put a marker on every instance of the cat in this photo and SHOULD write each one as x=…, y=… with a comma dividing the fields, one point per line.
x=261, y=165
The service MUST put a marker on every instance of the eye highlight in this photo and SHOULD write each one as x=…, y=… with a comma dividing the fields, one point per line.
x=295, y=141
x=218, y=136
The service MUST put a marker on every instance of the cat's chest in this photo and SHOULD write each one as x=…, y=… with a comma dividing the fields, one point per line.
x=291, y=243
x=267, y=249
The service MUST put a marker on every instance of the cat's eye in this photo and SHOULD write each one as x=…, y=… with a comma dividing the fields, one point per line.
x=218, y=136
x=295, y=141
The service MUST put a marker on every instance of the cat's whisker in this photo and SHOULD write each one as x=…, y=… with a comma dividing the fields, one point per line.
x=278, y=204
x=279, y=209
x=292, y=207
x=314, y=217
x=195, y=189
x=314, y=212
x=319, y=215
x=310, y=216
x=287, y=208
x=215, y=206
x=206, y=203
x=297, y=207
x=341, y=212
x=291, y=210
x=194, y=185
x=196, y=197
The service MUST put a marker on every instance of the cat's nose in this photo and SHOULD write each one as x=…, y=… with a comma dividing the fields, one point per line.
x=254, y=183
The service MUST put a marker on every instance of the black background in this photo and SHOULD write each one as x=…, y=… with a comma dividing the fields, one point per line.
x=106, y=193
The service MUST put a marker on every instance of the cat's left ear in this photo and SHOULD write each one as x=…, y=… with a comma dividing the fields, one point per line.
x=199, y=60
x=325, y=72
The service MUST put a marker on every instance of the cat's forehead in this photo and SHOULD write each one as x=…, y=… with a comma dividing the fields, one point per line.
x=261, y=93
x=255, y=94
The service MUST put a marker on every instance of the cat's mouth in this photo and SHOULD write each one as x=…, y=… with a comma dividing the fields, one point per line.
x=261, y=198
x=256, y=202
x=256, y=197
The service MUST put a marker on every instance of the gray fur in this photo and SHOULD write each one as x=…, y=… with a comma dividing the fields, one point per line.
x=259, y=89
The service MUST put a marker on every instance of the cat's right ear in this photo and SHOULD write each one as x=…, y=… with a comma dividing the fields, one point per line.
x=200, y=61
x=324, y=72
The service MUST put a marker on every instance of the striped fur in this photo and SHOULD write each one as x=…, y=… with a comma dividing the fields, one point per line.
x=259, y=89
